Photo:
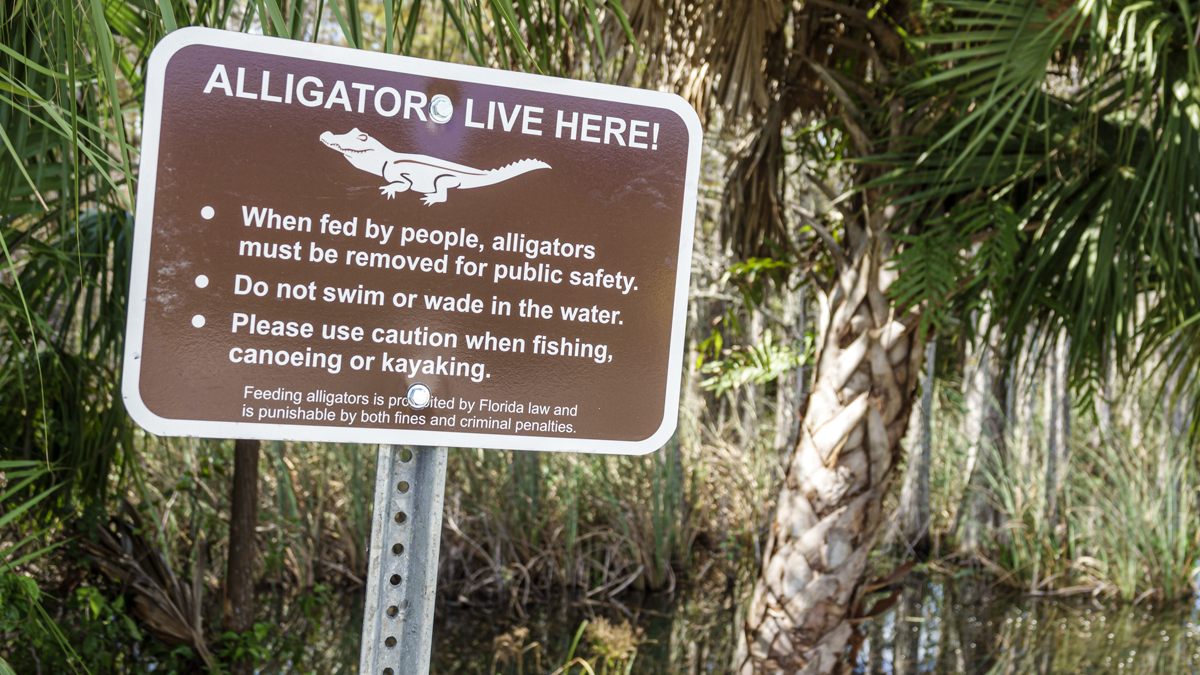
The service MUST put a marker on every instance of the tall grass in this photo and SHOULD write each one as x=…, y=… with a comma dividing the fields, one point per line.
x=607, y=530
x=604, y=525
x=1029, y=551
x=1128, y=523
x=1139, y=516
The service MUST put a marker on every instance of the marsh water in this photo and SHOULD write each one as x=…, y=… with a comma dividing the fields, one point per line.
x=939, y=625
x=942, y=626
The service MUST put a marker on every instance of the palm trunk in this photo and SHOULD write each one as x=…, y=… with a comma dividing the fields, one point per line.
x=1103, y=403
x=748, y=394
x=243, y=520
x=913, y=516
x=984, y=427
x=790, y=391
x=1176, y=409
x=1058, y=422
x=977, y=388
x=829, y=508
x=1131, y=393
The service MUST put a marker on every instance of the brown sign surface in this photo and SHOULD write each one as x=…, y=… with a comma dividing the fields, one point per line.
x=319, y=229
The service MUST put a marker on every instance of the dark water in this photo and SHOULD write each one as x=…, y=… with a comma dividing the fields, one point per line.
x=939, y=626
x=690, y=633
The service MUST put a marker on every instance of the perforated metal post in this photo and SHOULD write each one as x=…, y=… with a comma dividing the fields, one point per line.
x=410, y=484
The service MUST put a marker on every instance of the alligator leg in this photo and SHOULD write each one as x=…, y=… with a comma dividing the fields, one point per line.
x=442, y=183
x=391, y=189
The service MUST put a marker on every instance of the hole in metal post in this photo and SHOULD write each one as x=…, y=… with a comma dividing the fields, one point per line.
x=405, y=455
x=388, y=671
x=397, y=548
x=403, y=486
x=393, y=610
x=390, y=642
x=401, y=517
x=395, y=580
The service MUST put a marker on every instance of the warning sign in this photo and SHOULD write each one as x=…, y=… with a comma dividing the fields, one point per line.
x=335, y=245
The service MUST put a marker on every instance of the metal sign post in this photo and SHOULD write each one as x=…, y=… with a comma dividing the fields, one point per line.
x=410, y=485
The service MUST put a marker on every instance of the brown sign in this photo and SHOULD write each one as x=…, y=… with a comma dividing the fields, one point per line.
x=321, y=231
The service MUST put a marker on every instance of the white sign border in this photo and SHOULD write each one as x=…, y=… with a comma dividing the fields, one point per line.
x=143, y=222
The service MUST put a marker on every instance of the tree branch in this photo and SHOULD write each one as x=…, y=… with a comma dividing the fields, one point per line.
x=888, y=38
x=839, y=256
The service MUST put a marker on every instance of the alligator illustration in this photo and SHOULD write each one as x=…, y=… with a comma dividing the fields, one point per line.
x=419, y=173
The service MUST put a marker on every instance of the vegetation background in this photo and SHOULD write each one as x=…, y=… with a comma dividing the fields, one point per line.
x=1021, y=175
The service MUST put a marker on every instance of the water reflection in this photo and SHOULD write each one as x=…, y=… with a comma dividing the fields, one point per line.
x=689, y=634
x=941, y=626
x=969, y=628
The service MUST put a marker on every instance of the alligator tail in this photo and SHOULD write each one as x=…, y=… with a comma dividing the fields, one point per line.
x=512, y=170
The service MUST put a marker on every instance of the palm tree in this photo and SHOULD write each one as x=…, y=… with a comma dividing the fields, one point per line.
x=1035, y=161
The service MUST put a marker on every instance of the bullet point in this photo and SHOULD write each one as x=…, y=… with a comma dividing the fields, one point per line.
x=202, y=281
x=198, y=321
x=207, y=213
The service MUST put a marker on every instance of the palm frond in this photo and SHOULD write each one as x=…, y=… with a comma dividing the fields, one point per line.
x=1088, y=137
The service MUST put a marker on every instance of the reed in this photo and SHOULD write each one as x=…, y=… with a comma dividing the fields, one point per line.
x=604, y=525
x=1029, y=552
x=1135, y=511
x=1128, y=526
x=1127, y=522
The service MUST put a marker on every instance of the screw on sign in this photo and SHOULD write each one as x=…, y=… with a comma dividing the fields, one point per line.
x=339, y=246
